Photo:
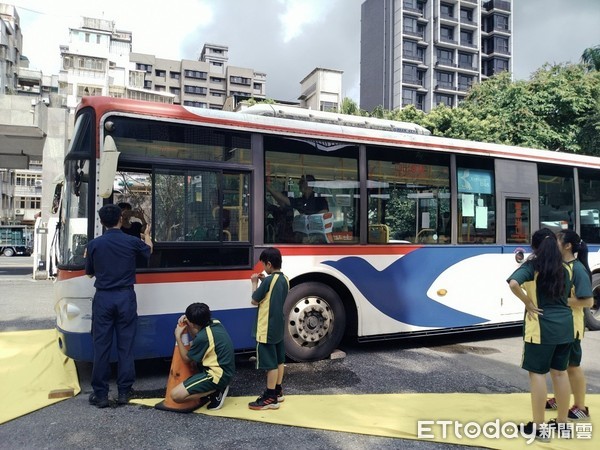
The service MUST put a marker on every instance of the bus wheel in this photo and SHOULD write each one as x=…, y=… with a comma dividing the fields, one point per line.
x=592, y=315
x=315, y=321
x=9, y=252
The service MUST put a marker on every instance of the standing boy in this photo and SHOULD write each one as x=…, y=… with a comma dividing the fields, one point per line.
x=268, y=330
x=212, y=351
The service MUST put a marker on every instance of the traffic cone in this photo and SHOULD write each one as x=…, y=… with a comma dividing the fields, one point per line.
x=180, y=371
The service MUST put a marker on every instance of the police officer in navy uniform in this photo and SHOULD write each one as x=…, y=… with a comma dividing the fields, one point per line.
x=308, y=203
x=111, y=258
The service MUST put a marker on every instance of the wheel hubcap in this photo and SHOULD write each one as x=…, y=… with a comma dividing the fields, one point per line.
x=310, y=321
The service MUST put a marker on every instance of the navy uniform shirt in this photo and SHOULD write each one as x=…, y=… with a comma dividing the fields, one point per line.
x=310, y=205
x=111, y=259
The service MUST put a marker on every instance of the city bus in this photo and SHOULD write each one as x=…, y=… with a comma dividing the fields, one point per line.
x=415, y=235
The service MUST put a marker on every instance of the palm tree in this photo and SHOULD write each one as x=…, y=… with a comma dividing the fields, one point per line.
x=591, y=58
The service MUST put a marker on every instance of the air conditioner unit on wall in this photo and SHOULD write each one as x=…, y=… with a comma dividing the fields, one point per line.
x=19, y=212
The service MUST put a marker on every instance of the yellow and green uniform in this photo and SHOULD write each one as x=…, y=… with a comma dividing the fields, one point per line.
x=581, y=288
x=555, y=324
x=212, y=350
x=270, y=296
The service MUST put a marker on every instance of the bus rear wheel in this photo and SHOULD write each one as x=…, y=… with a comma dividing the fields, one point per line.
x=315, y=321
x=592, y=315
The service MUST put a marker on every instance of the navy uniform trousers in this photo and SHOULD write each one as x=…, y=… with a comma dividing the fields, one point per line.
x=114, y=312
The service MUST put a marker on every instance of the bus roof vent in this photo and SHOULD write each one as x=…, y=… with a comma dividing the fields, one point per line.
x=373, y=123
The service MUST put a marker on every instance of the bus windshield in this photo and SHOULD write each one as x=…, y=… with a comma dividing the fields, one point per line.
x=73, y=229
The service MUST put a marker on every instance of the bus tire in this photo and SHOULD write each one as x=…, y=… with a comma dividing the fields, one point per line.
x=592, y=315
x=9, y=252
x=315, y=321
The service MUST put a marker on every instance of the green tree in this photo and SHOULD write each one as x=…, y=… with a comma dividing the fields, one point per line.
x=565, y=97
x=349, y=106
x=408, y=114
x=591, y=58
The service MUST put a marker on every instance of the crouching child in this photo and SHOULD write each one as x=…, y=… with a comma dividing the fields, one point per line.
x=212, y=351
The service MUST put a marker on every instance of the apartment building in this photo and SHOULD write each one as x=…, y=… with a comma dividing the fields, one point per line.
x=203, y=83
x=429, y=52
x=96, y=62
x=11, y=43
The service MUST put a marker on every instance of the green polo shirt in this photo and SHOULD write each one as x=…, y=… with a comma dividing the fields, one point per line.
x=581, y=288
x=212, y=350
x=270, y=296
x=555, y=324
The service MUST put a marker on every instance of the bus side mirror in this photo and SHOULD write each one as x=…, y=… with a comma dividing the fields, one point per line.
x=59, y=182
x=519, y=255
x=108, y=167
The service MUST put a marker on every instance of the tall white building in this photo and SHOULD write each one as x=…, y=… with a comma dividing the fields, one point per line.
x=321, y=90
x=427, y=52
x=96, y=62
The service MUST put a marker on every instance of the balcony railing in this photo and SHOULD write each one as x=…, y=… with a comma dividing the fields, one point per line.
x=418, y=34
x=413, y=10
x=445, y=62
x=467, y=66
x=448, y=40
x=444, y=85
x=448, y=17
x=497, y=4
x=28, y=191
x=413, y=57
x=410, y=80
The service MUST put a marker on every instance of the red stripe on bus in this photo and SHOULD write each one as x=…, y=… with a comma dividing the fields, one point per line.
x=222, y=275
x=345, y=251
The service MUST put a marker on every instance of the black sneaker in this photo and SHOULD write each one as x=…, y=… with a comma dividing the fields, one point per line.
x=577, y=414
x=280, y=396
x=203, y=401
x=541, y=432
x=124, y=397
x=97, y=401
x=217, y=399
x=551, y=404
x=264, y=402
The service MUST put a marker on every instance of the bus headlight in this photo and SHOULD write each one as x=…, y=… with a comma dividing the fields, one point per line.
x=71, y=311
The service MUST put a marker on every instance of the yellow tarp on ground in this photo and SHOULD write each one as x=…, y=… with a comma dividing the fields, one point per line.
x=397, y=416
x=32, y=367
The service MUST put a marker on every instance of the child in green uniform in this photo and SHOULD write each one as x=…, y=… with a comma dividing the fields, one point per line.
x=212, y=351
x=268, y=330
x=581, y=297
x=542, y=284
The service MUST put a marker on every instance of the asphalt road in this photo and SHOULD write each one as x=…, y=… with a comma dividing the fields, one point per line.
x=482, y=363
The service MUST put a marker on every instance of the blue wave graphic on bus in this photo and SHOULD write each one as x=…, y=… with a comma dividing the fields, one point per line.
x=399, y=291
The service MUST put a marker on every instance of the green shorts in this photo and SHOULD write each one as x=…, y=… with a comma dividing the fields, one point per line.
x=269, y=356
x=540, y=358
x=576, y=353
x=200, y=383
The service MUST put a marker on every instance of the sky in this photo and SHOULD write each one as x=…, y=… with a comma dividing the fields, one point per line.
x=287, y=39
